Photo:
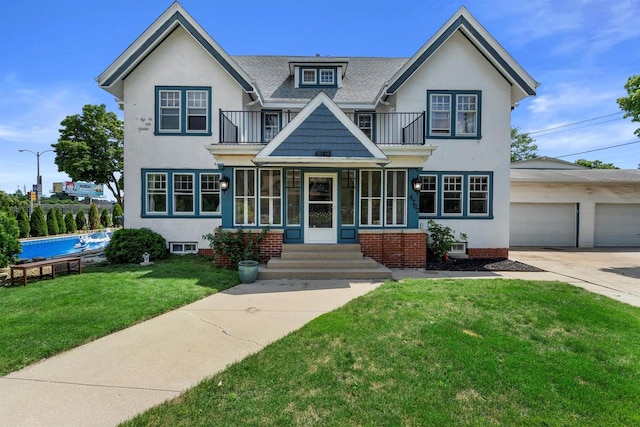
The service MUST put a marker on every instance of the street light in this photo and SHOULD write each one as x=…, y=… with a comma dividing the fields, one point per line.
x=38, y=177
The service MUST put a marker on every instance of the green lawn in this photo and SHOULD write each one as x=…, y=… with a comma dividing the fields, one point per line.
x=50, y=316
x=446, y=352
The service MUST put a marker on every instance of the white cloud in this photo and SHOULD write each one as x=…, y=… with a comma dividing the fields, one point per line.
x=30, y=116
x=572, y=99
x=578, y=27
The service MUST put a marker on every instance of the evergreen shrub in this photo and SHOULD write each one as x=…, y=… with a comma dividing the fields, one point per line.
x=127, y=245
x=38, y=223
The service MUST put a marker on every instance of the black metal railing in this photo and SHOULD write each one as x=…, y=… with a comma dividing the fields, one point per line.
x=259, y=127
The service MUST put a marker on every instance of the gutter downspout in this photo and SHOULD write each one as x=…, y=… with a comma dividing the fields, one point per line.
x=258, y=95
x=388, y=104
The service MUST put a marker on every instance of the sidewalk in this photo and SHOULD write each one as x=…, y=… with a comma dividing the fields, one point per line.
x=116, y=377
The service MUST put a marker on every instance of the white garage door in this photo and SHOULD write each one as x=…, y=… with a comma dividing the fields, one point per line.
x=543, y=224
x=617, y=225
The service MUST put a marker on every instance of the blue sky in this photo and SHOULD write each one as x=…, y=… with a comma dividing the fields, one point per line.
x=581, y=51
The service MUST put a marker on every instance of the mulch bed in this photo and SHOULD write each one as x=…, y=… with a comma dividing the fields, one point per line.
x=484, y=264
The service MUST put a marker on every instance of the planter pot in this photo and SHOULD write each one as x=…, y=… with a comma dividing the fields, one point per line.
x=248, y=271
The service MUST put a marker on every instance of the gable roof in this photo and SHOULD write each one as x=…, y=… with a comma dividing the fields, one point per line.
x=322, y=134
x=521, y=82
x=112, y=78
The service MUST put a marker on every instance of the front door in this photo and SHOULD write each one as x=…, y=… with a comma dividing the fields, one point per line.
x=320, y=214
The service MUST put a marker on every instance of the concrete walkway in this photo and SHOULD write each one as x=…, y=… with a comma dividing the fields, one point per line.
x=113, y=378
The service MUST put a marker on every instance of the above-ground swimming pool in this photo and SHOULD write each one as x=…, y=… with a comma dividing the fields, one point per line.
x=59, y=246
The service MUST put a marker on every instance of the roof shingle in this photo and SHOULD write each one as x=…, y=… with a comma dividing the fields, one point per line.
x=364, y=78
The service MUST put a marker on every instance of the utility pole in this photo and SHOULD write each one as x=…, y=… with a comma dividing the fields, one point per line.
x=38, y=177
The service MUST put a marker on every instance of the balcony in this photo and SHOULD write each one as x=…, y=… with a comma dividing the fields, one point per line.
x=259, y=127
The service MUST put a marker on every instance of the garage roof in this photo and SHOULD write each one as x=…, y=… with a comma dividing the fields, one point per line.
x=589, y=176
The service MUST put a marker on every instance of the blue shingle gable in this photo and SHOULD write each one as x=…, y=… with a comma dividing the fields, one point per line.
x=321, y=131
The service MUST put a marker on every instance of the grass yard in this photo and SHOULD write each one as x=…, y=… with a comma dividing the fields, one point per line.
x=447, y=352
x=50, y=316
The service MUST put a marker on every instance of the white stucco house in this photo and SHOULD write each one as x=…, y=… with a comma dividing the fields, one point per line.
x=557, y=203
x=322, y=150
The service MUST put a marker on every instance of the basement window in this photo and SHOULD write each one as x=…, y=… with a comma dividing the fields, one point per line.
x=182, y=248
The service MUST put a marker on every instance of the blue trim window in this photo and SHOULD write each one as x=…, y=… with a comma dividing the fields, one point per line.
x=327, y=76
x=366, y=123
x=183, y=110
x=396, y=200
x=428, y=204
x=169, y=111
x=453, y=114
x=197, y=110
x=183, y=194
x=478, y=195
x=156, y=193
x=452, y=195
x=270, y=125
x=348, y=197
x=318, y=77
x=467, y=115
x=180, y=193
x=210, y=193
x=270, y=197
x=309, y=76
x=294, y=201
x=370, y=198
x=456, y=195
x=244, y=197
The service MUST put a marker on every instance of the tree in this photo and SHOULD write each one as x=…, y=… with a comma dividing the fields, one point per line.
x=62, y=227
x=70, y=223
x=38, y=223
x=105, y=218
x=10, y=246
x=631, y=103
x=52, y=222
x=91, y=148
x=595, y=164
x=522, y=146
x=117, y=215
x=81, y=220
x=23, y=224
x=94, y=217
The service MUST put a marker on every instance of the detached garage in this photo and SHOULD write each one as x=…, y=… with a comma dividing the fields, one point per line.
x=557, y=203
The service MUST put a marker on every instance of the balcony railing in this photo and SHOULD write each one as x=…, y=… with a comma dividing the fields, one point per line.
x=259, y=127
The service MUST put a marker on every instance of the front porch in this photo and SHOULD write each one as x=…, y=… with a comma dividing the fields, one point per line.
x=391, y=248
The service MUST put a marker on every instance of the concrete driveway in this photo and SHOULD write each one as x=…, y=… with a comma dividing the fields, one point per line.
x=614, y=272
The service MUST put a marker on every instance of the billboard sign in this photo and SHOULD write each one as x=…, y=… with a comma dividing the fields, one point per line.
x=84, y=189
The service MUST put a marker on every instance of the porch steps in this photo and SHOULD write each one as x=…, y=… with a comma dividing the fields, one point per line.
x=323, y=262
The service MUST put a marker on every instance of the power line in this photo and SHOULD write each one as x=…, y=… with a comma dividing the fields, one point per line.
x=575, y=123
x=600, y=149
x=579, y=127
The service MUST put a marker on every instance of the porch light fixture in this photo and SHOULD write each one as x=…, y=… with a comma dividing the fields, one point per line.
x=224, y=183
x=416, y=183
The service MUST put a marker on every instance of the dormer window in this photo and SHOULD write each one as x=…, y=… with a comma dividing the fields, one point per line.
x=318, y=77
x=327, y=76
x=309, y=76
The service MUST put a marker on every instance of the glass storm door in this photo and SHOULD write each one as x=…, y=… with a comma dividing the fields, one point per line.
x=321, y=223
